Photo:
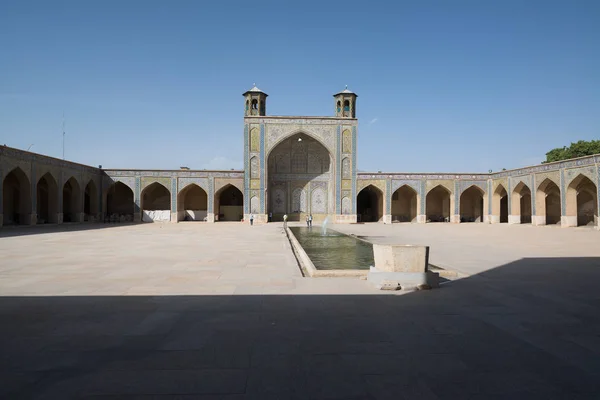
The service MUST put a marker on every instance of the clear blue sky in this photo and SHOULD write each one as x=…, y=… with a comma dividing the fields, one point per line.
x=443, y=85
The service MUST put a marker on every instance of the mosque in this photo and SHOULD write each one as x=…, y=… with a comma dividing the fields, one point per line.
x=295, y=165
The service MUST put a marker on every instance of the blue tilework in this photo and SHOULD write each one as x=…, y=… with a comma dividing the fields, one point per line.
x=173, y=194
x=509, y=191
x=490, y=196
x=262, y=168
x=246, y=172
x=533, y=190
x=211, y=195
x=338, y=171
x=563, y=193
x=136, y=193
x=422, y=196
x=354, y=194
x=388, y=196
x=456, y=198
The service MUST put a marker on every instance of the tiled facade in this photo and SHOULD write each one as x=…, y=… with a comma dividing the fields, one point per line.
x=289, y=159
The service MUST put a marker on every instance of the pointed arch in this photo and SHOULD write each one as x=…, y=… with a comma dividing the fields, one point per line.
x=47, y=199
x=120, y=204
x=500, y=205
x=438, y=204
x=369, y=204
x=254, y=168
x=405, y=203
x=156, y=203
x=192, y=203
x=16, y=198
x=72, y=205
x=91, y=207
x=229, y=204
x=521, y=204
x=582, y=202
x=472, y=204
x=547, y=203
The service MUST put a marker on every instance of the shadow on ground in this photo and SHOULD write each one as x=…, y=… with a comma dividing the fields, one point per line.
x=526, y=330
x=24, y=230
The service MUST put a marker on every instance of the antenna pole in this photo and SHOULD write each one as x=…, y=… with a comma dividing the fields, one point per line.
x=63, y=135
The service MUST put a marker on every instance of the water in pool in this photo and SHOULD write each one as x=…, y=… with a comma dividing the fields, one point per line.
x=334, y=250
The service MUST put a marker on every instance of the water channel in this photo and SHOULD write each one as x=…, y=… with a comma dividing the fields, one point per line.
x=334, y=250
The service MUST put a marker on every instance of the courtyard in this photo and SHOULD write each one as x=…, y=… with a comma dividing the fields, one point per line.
x=221, y=311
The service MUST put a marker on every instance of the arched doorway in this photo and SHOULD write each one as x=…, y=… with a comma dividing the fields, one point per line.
x=156, y=203
x=229, y=204
x=369, y=204
x=500, y=205
x=47, y=200
x=71, y=201
x=16, y=198
x=547, y=203
x=90, y=202
x=521, y=204
x=120, y=205
x=299, y=179
x=192, y=204
x=404, y=204
x=437, y=204
x=582, y=202
x=471, y=205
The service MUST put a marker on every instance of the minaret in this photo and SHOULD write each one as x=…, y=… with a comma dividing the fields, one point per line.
x=345, y=104
x=256, y=102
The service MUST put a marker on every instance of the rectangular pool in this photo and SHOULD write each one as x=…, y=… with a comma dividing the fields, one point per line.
x=334, y=250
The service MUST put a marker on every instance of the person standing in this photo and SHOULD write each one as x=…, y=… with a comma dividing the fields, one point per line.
x=251, y=219
x=307, y=222
x=285, y=221
x=270, y=216
x=310, y=220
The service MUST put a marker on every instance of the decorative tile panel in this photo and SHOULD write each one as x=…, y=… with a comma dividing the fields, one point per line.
x=184, y=182
x=318, y=201
x=354, y=193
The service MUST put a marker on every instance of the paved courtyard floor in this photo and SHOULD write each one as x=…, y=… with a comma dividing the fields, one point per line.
x=221, y=311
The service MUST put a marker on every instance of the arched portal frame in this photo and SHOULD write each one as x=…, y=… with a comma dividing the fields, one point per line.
x=581, y=202
x=473, y=203
x=91, y=207
x=120, y=203
x=47, y=200
x=16, y=199
x=439, y=203
x=500, y=205
x=369, y=204
x=547, y=203
x=72, y=204
x=520, y=212
x=300, y=178
x=156, y=203
x=229, y=204
x=192, y=203
x=405, y=204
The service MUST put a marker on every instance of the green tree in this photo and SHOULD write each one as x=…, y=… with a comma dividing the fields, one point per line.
x=578, y=149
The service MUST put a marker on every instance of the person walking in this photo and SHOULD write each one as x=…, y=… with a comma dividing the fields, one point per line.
x=310, y=220
x=285, y=221
x=251, y=219
x=270, y=216
x=307, y=222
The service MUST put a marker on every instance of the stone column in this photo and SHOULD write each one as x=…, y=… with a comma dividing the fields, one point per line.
x=455, y=212
x=174, y=215
x=137, y=211
x=210, y=210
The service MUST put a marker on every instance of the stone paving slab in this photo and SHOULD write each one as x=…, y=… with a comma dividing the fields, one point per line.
x=116, y=313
